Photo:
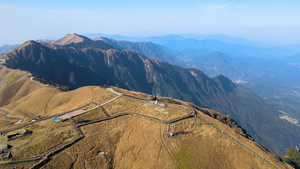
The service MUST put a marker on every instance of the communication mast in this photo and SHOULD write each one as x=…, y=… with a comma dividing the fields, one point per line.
x=172, y=133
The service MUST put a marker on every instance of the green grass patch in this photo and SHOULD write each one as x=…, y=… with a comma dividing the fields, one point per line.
x=18, y=165
x=47, y=135
x=64, y=88
x=92, y=115
x=168, y=100
x=292, y=157
x=12, y=78
x=89, y=106
x=183, y=156
x=41, y=80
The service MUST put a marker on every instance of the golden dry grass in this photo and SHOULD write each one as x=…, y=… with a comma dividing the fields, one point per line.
x=66, y=101
x=132, y=93
x=69, y=39
x=5, y=121
x=164, y=113
x=125, y=142
x=132, y=142
x=47, y=135
x=89, y=106
x=122, y=105
x=92, y=115
x=116, y=143
x=49, y=101
x=31, y=105
x=18, y=166
x=16, y=88
x=125, y=105
x=250, y=144
x=184, y=107
x=101, y=95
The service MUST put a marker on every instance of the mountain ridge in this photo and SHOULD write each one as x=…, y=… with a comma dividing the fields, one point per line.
x=129, y=130
x=148, y=48
x=134, y=71
x=71, y=38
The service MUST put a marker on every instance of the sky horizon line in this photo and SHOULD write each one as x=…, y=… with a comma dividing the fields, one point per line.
x=254, y=42
x=270, y=21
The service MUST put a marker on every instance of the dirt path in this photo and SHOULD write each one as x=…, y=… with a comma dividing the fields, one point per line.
x=45, y=159
x=12, y=118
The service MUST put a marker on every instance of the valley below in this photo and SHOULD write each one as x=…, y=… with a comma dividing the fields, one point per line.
x=103, y=103
x=121, y=129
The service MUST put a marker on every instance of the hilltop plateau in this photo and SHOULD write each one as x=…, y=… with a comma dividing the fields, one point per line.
x=121, y=129
x=75, y=61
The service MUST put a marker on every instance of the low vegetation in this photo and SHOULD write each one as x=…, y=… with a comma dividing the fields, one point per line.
x=292, y=157
x=133, y=142
x=122, y=105
x=18, y=165
x=92, y=115
x=168, y=100
x=12, y=78
x=47, y=135
x=89, y=106
x=64, y=88
x=127, y=141
x=4, y=121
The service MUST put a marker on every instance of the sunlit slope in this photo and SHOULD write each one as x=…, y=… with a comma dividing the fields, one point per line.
x=131, y=140
x=50, y=101
x=79, y=61
x=136, y=142
x=14, y=85
x=25, y=99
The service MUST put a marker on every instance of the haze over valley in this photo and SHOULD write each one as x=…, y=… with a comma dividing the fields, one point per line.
x=150, y=84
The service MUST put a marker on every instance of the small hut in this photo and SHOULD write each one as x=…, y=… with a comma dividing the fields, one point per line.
x=4, y=155
x=25, y=132
x=4, y=147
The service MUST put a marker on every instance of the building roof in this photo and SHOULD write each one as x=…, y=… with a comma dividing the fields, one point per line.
x=3, y=147
x=25, y=131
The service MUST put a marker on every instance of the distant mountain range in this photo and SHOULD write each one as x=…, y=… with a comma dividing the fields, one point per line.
x=194, y=45
x=262, y=69
x=253, y=67
x=271, y=72
x=7, y=48
x=77, y=61
x=149, y=49
x=121, y=133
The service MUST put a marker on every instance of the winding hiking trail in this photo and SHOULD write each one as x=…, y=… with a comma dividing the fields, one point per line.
x=12, y=118
x=46, y=158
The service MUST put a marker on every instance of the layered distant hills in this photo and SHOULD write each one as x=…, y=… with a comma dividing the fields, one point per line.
x=271, y=72
x=110, y=127
x=77, y=61
x=149, y=49
x=7, y=48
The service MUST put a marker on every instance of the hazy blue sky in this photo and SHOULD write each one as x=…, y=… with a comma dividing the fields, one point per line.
x=268, y=20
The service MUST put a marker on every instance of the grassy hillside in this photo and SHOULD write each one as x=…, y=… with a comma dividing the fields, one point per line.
x=130, y=142
x=292, y=157
x=78, y=66
x=206, y=141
